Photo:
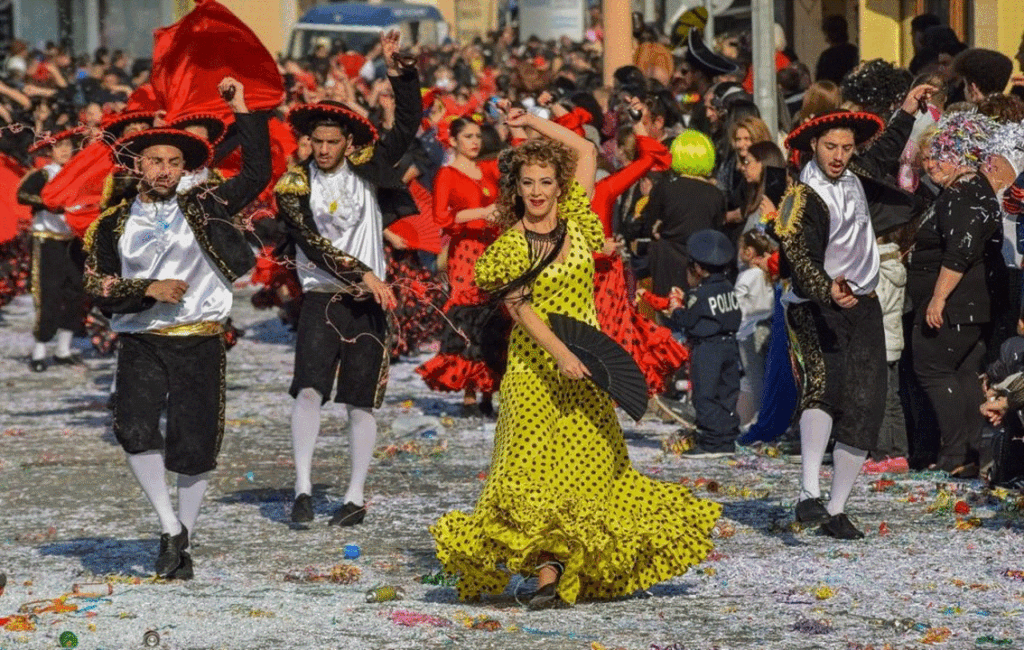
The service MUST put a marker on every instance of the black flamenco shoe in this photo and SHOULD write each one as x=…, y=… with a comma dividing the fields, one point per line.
x=37, y=365
x=547, y=596
x=470, y=411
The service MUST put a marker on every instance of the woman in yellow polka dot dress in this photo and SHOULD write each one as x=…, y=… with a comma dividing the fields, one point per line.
x=562, y=498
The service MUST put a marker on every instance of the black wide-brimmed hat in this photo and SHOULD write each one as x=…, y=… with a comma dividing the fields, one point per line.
x=710, y=248
x=116, y=124
x=304, y=116
x=194, y=150
x=77, y=133
x=215, y=126
x=700, y=55
x=864, y=126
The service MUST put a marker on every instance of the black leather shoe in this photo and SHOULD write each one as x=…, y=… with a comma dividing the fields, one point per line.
x=545, y=598
x=471, y=411
x=812, y=512
x=184, y=570
x=73, y=360
x=302, y=509
x=840, y=527
x=348, y=515
x=37, y=365
x=171, y=549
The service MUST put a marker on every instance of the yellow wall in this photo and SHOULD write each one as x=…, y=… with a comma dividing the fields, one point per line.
x=880, y=31
x=884, y=28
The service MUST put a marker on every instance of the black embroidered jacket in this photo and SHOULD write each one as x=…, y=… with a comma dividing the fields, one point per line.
x=376, y=165
x=209, y=210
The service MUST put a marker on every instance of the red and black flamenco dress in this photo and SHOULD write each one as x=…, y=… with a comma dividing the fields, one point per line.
x=475, y=334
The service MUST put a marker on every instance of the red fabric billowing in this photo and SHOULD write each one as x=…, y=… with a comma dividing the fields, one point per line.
x=143, y=99
x=419, y=230
x=13, y=216
x=451, y=373
x=653, y=347
x=78, y=186
x=191, y=57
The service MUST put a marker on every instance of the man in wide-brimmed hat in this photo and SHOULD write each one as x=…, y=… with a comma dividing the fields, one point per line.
x=829, y=247
x=162, y=263
x=209, y=127
x=56, y=256
x=334, y=205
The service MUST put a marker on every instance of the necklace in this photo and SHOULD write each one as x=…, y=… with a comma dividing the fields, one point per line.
x=545, y=238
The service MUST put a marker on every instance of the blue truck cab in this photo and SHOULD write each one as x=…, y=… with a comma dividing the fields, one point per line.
x=359, y=24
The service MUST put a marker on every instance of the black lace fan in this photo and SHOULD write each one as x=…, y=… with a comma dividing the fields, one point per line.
x=610, y=366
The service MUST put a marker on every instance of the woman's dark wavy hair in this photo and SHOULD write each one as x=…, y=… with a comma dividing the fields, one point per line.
x=532, y=152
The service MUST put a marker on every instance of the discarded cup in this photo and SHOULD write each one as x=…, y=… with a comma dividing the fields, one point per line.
x=151, y=639
x=384, y=594
x=351, y=551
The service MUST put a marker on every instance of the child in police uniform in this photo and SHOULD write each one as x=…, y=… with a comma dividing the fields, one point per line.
x=709, y=315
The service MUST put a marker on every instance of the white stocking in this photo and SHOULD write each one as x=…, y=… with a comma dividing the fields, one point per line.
x=362, y=439
x=846, y=464
x=148, y=468
x=190, y=497
x=63, y=343
x=305, y=429
x=815, y=430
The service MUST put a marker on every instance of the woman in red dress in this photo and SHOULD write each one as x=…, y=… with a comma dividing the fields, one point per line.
x=464, y=194
x=653, y=348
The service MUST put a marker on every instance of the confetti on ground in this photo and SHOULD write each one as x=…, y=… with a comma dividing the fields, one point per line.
x=74, y=522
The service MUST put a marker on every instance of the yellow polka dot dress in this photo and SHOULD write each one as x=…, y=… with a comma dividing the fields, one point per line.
x=560, y=479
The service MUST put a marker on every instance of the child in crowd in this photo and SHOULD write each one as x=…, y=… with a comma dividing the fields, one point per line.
x=709, y=315
x=756, y=299
x=890, y=454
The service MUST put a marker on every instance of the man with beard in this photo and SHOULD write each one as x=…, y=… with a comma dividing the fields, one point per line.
x=162, y=264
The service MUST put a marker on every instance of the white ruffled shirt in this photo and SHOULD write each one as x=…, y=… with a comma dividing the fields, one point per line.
x=852, y=251
x=157, y=243
x=346, y=212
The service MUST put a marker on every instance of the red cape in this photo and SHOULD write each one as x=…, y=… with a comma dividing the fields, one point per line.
x=13, y=216
x=192, y=56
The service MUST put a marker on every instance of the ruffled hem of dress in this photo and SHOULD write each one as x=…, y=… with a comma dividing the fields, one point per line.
x=451, y=373
x=605, y=552
x=660, y=354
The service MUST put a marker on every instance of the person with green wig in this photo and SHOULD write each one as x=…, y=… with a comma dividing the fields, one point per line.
x=682, y=203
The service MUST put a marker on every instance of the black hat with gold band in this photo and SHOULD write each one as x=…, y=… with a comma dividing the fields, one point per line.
x=195, y=151
x=305, y=117
x=864, y=126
